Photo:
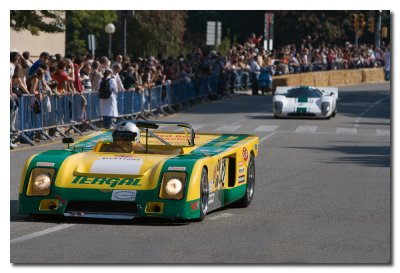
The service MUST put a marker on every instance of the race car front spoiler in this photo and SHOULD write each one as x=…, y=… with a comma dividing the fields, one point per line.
x=115, y=216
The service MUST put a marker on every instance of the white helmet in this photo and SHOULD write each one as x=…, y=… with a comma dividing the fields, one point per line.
x=129, y=127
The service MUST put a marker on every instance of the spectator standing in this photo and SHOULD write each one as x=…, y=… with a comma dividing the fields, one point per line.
x=26, y=62
x=85, y=76
x=96, y=76
x=78, y=64
x=116, y=68
x=127, y=78
x=387, y=63
x=18, y=89
x=14, y=58
x=108, y=106
x=37, y=87
x=43, y=58
x=255, y=72
x=61, y=77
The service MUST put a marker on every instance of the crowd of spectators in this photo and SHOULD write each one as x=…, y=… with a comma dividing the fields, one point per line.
x=69, y=74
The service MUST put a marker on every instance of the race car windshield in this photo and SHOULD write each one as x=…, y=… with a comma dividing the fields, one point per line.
x=303, y=93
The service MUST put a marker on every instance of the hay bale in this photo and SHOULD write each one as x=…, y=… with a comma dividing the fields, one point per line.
x=321, y=78
x=373, y=75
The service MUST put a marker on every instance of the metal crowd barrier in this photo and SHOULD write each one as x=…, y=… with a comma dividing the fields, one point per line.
x=69, y=111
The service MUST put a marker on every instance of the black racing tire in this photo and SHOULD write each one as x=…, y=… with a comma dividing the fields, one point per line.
x=334, y=113
x=203, y=195
x=251, y=181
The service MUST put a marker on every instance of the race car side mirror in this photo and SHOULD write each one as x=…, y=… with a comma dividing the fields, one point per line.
x=67, y=140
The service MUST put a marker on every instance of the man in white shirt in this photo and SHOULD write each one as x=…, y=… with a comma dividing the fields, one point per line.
x=254, y=74
x=116, y=68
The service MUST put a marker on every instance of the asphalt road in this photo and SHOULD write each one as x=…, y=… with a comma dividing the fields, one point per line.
x=323, y=195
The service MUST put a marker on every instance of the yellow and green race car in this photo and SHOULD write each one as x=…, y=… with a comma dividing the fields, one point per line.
x=174, y=175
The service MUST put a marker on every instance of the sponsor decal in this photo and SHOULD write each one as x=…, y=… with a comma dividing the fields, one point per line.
x=211, y=198
x=195, y=205
x=61, y=201
x=45, y=164
x=210, y=186
x=241, y=179
x=255, y=147
x=117, y=165
x=240, y=163
x=110, y=181
x=241, y=170
x=176, y=168
x=123, y=195
x=245, y=154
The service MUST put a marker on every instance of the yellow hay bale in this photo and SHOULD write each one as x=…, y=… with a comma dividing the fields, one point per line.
x=330, y=78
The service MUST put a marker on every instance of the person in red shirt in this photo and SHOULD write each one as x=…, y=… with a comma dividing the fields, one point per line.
x=77, y=69
x=61, y=77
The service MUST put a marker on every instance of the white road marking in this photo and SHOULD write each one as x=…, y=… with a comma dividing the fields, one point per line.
x=266, y=128
x=266, y=110
x=229, y=128
x=223, y=215
x=383, y=132
x=363, y=113
x=341, y=130
x=266, y=137
x=40, y=233
x=306, y=129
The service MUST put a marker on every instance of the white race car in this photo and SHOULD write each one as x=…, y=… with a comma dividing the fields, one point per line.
x=305, y=101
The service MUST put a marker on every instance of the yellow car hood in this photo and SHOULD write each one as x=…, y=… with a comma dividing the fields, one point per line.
x=117, y=171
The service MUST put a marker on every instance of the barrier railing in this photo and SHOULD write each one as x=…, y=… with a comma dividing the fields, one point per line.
x=69, y=111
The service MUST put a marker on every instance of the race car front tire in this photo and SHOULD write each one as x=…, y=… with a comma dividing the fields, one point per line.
x=203, y=195
x=251, y=180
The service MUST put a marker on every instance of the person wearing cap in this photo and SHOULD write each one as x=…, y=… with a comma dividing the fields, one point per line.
x=43, y=58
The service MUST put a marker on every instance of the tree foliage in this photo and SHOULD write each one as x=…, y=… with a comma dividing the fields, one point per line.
x=37, y=20
x=80, y=23
x=173, y=33
x=156, y=32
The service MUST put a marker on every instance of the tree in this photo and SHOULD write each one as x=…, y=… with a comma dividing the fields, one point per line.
x=80, y=23
x=156, y=32
x=37, y=20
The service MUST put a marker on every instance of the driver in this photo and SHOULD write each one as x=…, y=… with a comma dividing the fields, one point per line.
x=127, y=135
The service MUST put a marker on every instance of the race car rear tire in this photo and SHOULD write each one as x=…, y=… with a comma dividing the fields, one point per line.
x=251, y=181
x=203, y=195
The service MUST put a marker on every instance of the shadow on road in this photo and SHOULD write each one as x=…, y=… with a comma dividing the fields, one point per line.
x=376, y=156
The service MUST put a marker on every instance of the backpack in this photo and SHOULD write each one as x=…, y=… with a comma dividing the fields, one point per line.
x=105, y=89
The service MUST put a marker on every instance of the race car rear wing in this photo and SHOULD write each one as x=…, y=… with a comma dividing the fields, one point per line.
x=326, y=90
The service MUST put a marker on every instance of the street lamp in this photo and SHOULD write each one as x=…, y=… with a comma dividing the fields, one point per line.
x=110, y=29
x=125, y=15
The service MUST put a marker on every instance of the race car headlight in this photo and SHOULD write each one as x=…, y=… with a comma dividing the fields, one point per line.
x=278, y=106
x=325, y=107
x=40, y=182
x=172, y=185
